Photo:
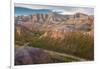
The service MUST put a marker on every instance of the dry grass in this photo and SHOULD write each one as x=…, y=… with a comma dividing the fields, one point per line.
x=75, y=43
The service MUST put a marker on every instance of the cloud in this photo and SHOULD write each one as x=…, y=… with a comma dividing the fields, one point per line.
x=59, y=9
x=30, y=6
x=66, y=13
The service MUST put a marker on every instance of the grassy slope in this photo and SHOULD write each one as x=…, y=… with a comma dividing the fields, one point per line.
x=76, y=44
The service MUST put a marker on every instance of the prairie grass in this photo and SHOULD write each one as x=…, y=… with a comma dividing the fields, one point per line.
x=75, y=43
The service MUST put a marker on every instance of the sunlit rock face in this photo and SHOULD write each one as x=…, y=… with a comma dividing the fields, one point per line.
x=37, y=21
x=30, y=55
x=53, y=25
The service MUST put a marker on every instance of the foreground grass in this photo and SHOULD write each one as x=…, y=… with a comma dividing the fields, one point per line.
x=76, y=44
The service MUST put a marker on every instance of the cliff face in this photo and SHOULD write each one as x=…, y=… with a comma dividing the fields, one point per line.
x=53, y=22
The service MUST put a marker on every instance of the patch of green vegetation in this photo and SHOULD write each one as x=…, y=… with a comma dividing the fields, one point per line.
x=62, y=59
x=57, y=58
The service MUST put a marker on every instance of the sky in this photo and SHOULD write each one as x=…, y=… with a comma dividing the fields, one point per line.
x=24, y=9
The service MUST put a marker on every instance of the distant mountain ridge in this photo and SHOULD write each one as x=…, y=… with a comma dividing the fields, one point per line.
x=27, y=11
